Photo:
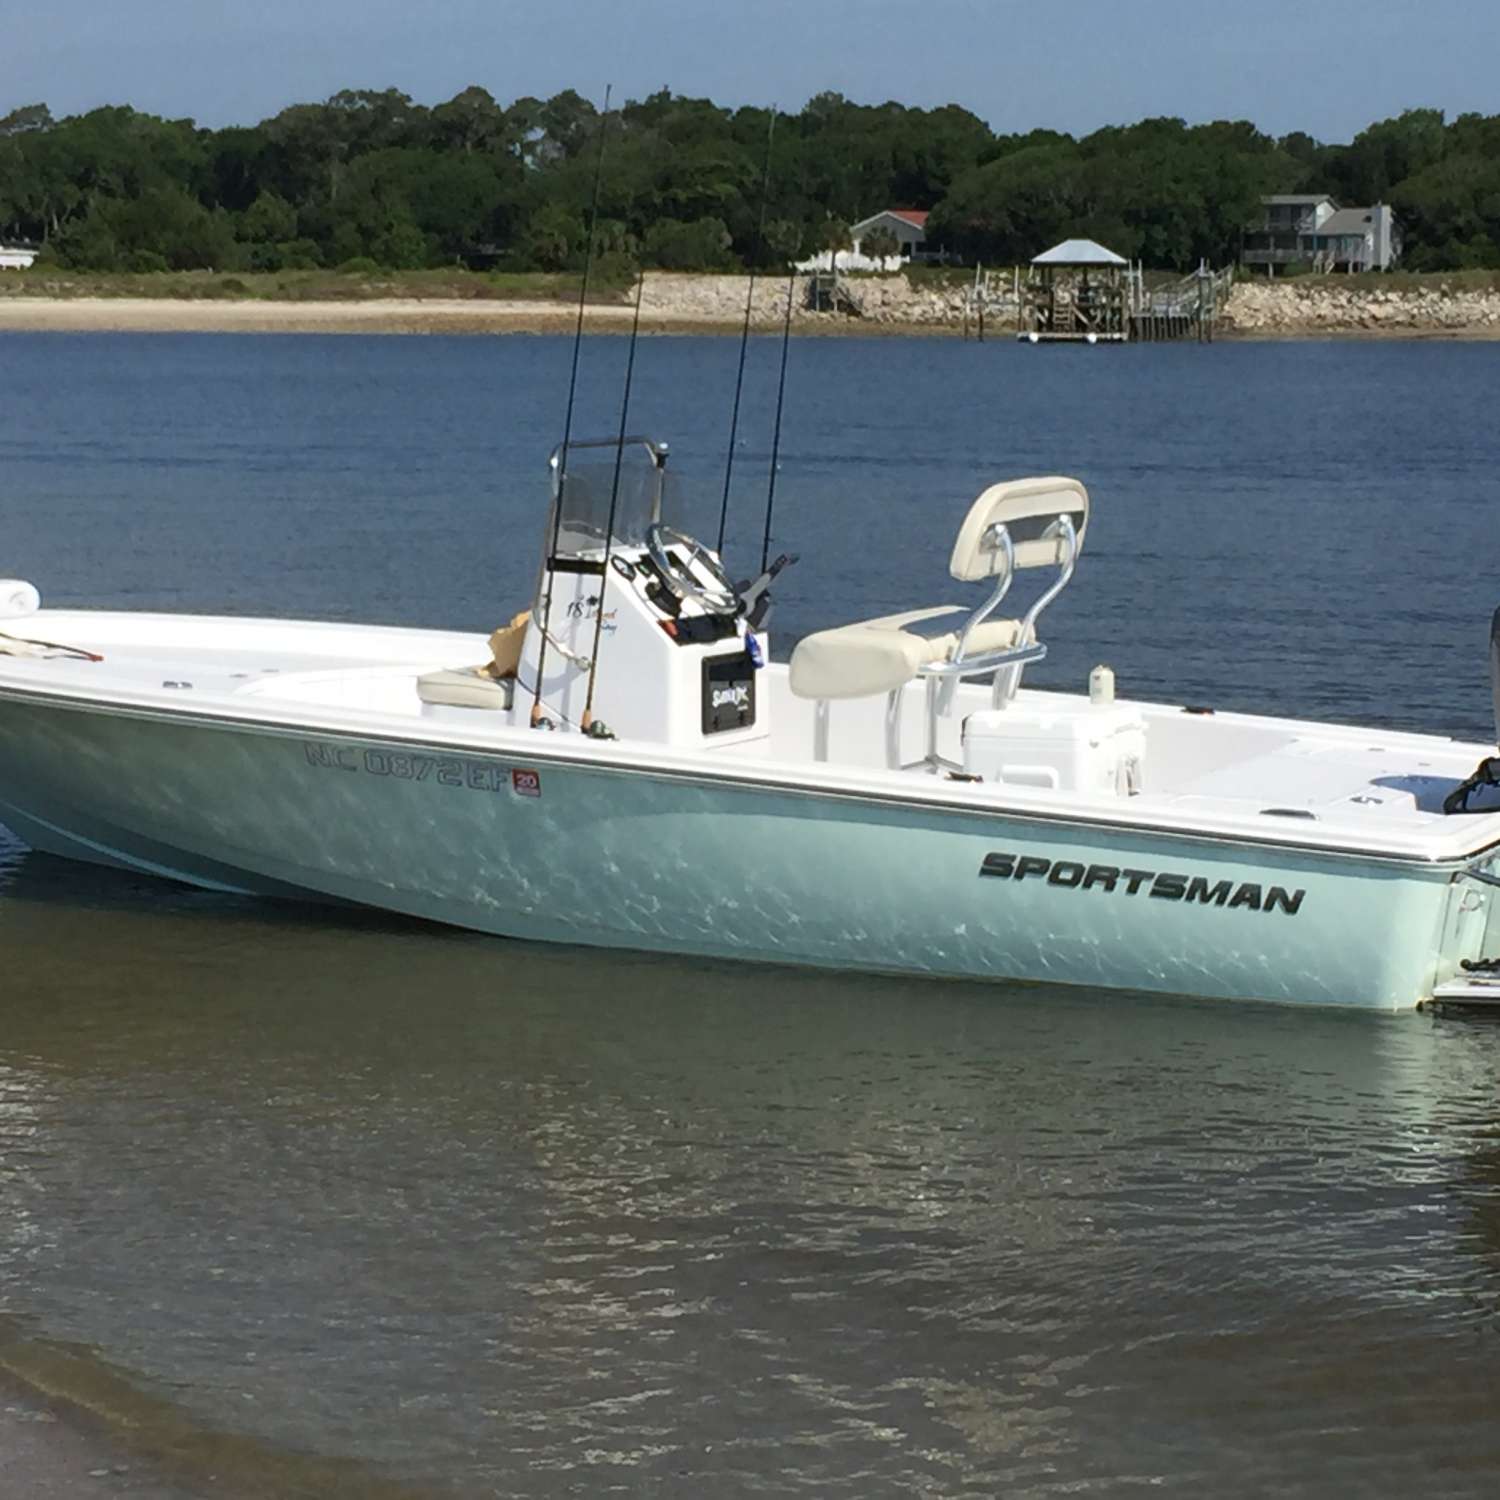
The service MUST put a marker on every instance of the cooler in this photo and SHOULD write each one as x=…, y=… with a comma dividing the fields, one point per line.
x=1073, y=746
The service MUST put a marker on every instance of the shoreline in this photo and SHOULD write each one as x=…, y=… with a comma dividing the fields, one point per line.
x=71, y=1425
x=416, y=315
x=397, y=315
x=47, y=1453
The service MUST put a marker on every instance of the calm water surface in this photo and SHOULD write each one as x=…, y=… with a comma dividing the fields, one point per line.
x=286, y=1187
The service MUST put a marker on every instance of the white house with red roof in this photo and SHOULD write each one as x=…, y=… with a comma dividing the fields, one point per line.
x=907, y=225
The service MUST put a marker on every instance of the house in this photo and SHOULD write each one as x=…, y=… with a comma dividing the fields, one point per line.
x=1311, y=230
x=1360, y=239
x=16, y=257
x=1285, y=235
x=908, y=226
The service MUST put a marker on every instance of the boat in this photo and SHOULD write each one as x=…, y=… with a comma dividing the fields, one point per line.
x=623, y=766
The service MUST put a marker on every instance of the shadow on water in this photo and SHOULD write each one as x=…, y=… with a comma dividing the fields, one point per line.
x=524, y=1220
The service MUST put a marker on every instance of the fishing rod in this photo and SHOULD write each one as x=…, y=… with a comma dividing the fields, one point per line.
x=537, y=716
x=739, y=379
x=786, y=338
x=587, y=722
x=39, y=648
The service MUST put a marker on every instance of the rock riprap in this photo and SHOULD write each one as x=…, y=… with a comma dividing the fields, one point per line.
x=1307, y=305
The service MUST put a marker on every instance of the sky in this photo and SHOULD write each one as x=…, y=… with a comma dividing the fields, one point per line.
x=1328, y=67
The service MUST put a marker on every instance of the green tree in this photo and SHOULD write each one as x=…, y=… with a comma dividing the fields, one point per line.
x=402, y=247
x=369, y=173
x=567, y=122
x=1015, y=206
x=1387, y=153
x=376, y=119
x=702, y=245
x=455, y=200
x=834, y=237
x=269, y=219
x=162, y=224
x=782, y=241
x=471, y=122
x=1451, y=213
x=553, y=240
x=239, y=168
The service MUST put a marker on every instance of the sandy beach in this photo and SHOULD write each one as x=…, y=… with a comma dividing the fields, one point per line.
x=394, y=315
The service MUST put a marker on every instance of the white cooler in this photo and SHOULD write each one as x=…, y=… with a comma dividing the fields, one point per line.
x=1096, y=749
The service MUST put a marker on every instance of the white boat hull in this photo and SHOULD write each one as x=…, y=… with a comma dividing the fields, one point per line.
x=554, y=848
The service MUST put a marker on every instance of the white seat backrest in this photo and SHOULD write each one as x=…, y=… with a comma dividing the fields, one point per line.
x=1026, y=508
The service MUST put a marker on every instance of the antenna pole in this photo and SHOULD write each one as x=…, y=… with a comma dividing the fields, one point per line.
x=786, y=338
x=739, y=379
x=562, y=458
x=614, y=501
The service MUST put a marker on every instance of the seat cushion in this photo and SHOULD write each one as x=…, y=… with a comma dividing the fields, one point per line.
x=883, y=654
x=857, y=662
x=465, y=687
x=1026, y=508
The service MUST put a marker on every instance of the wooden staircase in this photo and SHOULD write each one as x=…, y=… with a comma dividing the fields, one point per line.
x=833, y=291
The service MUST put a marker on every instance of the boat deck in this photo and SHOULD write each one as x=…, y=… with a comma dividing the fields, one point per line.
x=1268, y=779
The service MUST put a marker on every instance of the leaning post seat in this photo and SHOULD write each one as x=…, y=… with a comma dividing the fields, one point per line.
x=1024, y=523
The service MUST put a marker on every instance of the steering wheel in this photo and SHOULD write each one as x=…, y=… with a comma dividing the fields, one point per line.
x=719, y=597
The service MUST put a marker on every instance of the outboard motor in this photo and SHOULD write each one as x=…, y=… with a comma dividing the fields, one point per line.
x=1488, y=772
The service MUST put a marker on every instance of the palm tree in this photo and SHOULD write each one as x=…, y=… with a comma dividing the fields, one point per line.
x=834, y=238
x=880, y=244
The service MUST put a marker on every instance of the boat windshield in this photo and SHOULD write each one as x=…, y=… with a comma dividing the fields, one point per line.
x=646, y=494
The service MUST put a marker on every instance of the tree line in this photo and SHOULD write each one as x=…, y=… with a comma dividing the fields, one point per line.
x=372, y=178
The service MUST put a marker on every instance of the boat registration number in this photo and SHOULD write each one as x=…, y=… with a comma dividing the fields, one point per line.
x=444, y=770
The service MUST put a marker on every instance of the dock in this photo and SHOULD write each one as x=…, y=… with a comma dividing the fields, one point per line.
x=1185, y=309
x=1079, y=292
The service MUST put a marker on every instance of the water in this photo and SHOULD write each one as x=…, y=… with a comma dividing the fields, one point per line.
x=333, y=1203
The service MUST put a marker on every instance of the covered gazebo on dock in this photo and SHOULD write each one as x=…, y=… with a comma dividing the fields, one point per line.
x=1077, y=291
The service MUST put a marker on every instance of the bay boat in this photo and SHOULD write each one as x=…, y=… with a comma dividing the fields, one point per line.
x=623, y=766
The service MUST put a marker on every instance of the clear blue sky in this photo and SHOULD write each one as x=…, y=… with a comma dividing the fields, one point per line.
x=1325, y=66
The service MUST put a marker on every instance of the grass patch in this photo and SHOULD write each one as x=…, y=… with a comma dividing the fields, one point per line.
x=360, y=285
x=941, y=278
x=1404, y=282
x=1407, y=281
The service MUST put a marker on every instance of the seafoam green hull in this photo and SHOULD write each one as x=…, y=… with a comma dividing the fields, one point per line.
x=560, y=851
